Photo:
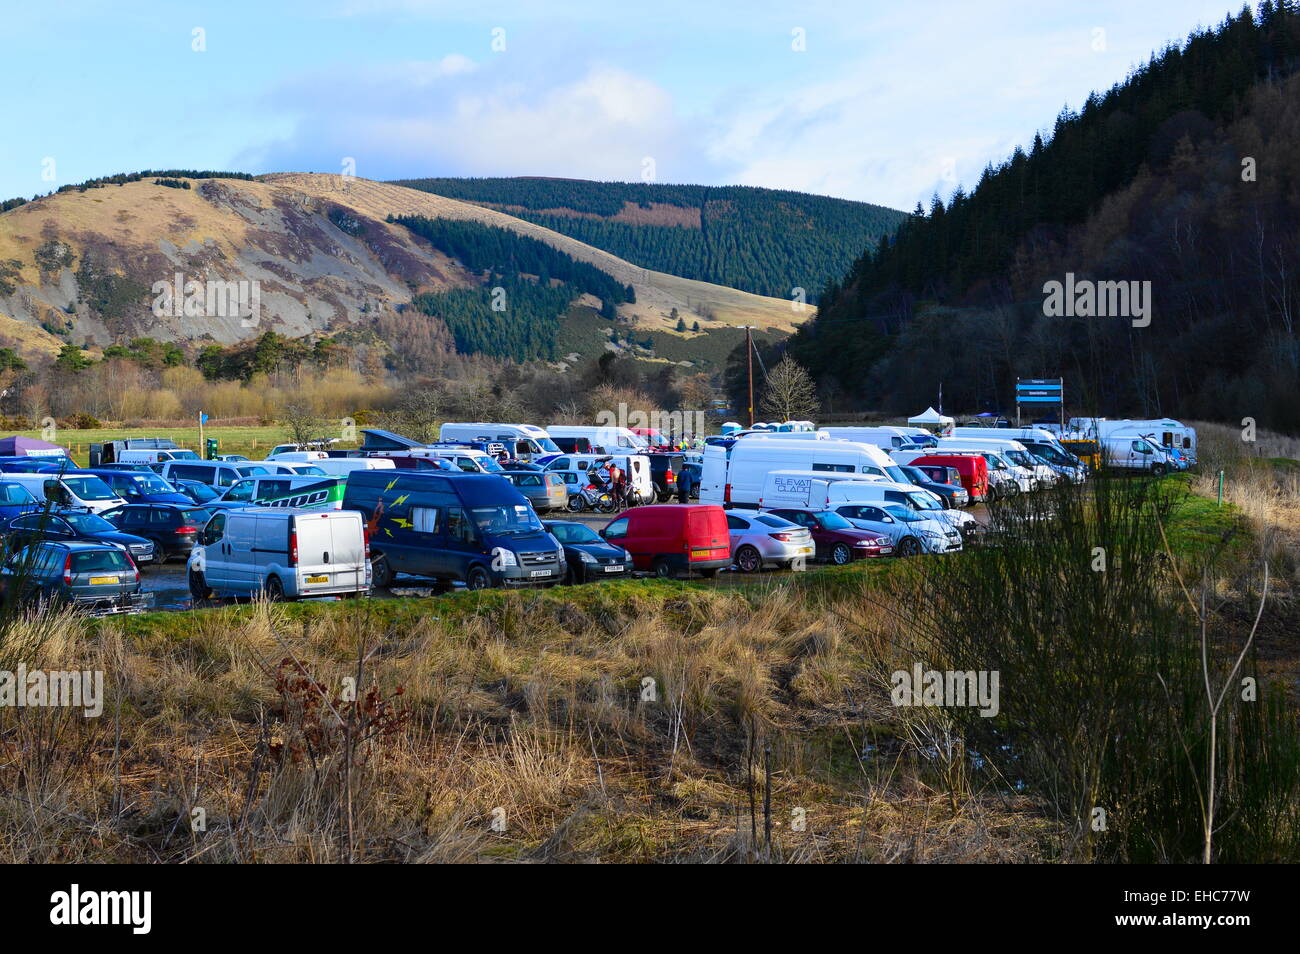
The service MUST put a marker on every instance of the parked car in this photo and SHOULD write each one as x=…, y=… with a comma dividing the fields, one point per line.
x=214, y=473
x=475, y=528
x=138, y=486
x=954, y=494
x=97, y=577
x=910, y=532
x=546, y=492
x=671, y=538
x=198, y=492
x=664, y=469
x=172, y=528
x=36, y=465
x=835, y=539
x=283, y=553
x=588, y=557
x=764, y=539
x=65, y=525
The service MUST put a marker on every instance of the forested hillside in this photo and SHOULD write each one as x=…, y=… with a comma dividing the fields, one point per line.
x=760, y=240
x=1183, y=176
x=527, y=288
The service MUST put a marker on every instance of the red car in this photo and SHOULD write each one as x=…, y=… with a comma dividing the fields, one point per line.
x=668, y=539
x=837, y=541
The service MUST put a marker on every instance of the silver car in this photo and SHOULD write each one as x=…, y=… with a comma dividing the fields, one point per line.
x=912, y=532
x=762, y=539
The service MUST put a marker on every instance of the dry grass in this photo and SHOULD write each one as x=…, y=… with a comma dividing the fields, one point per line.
x=529, y=712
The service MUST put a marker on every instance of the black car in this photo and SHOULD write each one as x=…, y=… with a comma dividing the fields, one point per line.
x=588, y=557
x=664, y=469
x=94, y=576
x=172, y=528
x=69, y=525
x=954, y=495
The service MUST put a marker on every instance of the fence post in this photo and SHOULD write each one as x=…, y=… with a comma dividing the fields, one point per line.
x=1220, y=488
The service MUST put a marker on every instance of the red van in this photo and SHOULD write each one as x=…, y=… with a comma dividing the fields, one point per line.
x=670, y=538
x=974, y=471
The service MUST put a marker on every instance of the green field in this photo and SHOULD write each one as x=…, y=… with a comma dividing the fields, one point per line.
x=252, y=442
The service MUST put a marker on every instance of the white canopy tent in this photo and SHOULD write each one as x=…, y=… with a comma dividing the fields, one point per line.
x=933, y=421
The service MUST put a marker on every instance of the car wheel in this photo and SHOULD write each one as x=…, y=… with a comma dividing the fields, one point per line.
x=907, y=547
x=381, y=574
x=841, y=554
x=1158, y=469
x=748, y=560
x=199, y=588
x=569, y=577
x=662, y=569
x=478, y=578
x=274, y=589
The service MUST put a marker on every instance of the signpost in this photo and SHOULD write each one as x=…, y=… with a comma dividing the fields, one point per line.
x=1041, y=392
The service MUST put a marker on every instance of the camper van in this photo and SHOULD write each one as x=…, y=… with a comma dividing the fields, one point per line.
x=733, y=472
x=473, y=528
x=521, y=441
x=1162, y=430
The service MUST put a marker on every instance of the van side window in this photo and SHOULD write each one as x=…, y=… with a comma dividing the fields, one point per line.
x=424, y=519
x=226, y=477
x=459, y=526
x=241, y=491
x=561, y=463
x=617, y=530
x=871, y=470
x=834, y=468
x=466, y=464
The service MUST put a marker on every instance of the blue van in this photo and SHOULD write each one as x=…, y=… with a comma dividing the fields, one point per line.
x=16, y=500
x=140, y=486
x=475, y=528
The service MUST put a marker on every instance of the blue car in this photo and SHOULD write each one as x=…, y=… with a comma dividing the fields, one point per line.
x=140, y=486
x=16, y=500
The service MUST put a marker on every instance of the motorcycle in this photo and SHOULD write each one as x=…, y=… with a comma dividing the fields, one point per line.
x=602, y=501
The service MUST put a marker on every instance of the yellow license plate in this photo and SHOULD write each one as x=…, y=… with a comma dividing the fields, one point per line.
x=95, y=580
x=805, y=549
x=318, y=579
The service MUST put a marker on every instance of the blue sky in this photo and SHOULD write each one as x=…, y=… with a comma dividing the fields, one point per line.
x=885, y=102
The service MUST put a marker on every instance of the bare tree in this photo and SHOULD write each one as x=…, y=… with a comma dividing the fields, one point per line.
x=305, y=427
x=791, y=393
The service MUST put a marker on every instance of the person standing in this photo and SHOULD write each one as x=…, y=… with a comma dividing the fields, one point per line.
x=618, y=484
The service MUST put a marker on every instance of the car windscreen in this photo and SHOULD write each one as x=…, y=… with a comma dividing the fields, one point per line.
x=88, y=523
x=202, y=491
x=896, y=474
x=490, y=465
x=89, y=488
x=923, y=501
x=906, y=514
x=309, y=470
x=830, y=520
x=517, y=518
x=575, y=533
x=147, y=483
x=15, y=495
x=547, y=445
x=251, y=470
x=93, y=561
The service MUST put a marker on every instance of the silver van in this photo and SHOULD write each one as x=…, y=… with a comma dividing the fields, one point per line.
x=282, y=553
x=214, y=473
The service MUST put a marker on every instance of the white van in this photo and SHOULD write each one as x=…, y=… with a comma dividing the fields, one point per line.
x=607, y=440
x=285, y=554
x=154, y=456
x=521, y=441
x=69, y=489
x=574, y=469
x=1131, y=452
x=468, y=459
x=291, y=456
x=818, y=490
x=342, y=466
x=734, y=474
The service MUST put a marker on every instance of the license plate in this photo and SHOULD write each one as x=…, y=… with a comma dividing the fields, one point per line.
x=613, y=569
x=96, y=580
x=805, y=549
x=318, y=579
x=540, y=573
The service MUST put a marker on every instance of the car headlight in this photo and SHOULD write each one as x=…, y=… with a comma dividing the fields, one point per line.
x=627, y=555
x=586, y=557
x=505, y=557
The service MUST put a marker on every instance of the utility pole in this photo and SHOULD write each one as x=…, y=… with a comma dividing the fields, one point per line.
x=749, y=361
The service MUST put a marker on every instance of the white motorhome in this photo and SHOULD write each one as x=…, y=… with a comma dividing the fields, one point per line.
x=608, y=439
x=521, y=441
x=1164, y=431
x=734, y=474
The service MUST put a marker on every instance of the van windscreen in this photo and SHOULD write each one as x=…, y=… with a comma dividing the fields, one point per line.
x=89, y=488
